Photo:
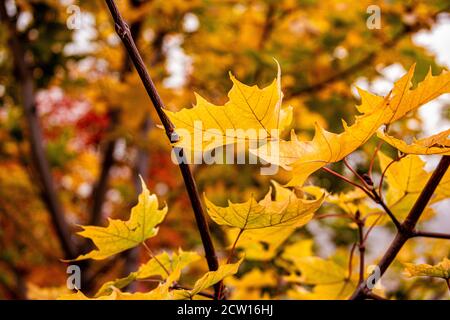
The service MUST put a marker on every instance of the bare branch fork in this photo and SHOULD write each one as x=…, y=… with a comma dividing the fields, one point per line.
x=123, y=31
x=407, y=230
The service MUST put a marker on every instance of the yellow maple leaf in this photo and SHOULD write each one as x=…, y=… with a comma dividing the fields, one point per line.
x=335, y=291
x=212, y=277
x=260, y=228
x=443, y=190
x=253, y=215
x=405, y=99
x=299, y=249
x=164, y=291
x=250, y=286
x=328, y=278
x=260, y=244
x=406, y=179
x=315, y=270
x=35, y=292
x=162, y=265
x=123, y=235
x=247, y=108
x=305, y=157
x=435, y=144
x=355, y=201
x=440, y=270
x=161, y=292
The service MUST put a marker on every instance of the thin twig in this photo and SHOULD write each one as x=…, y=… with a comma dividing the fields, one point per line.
x=356, y=174
x=350, y=261
x=426, y=234
x=371, y=193
x=391, y=215
x=372, y=227
x=348, y=181
x=123, y=32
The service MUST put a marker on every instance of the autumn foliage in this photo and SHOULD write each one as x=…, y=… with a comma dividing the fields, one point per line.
x=98, y=148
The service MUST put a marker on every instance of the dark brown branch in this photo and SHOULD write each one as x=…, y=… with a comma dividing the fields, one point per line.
x=35, y=136
x=123, y=32
x=408, y=226
x=388, y=211
x=425, y=234
x=375, y=197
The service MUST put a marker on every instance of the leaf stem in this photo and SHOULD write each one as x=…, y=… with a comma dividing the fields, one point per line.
x=372, y=160
x=370, y=192
x=350, y=261
x=383, y=174
x=348, y=181
x=233, y=247
x=230, y=256
x=356, y=174
x=152, y=256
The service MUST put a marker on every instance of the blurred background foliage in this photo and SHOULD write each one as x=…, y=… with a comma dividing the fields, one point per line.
x=91, y=105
